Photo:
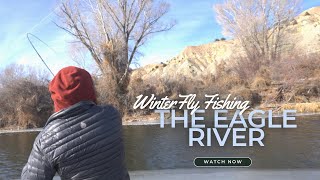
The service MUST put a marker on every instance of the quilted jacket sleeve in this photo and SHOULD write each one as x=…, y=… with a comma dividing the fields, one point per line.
x=38, y=166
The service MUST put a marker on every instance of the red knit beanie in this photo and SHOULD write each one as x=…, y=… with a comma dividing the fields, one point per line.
x=70, y=86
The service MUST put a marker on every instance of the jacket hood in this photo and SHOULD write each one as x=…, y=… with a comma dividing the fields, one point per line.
x=70, y=86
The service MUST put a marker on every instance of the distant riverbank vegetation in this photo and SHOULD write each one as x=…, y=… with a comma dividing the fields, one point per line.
x=291, y=83
x=25, y=99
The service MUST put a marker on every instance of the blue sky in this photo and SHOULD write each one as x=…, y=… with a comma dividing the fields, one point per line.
x=196, y=25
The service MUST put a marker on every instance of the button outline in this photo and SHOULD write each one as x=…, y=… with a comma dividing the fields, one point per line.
x=194, y=160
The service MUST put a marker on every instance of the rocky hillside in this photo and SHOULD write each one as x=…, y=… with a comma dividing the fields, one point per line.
x=195, y=61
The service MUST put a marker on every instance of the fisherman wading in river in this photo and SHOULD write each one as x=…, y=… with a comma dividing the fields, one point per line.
x=81, y=140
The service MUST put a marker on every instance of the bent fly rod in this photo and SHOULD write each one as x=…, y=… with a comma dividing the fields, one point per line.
x=34, y=48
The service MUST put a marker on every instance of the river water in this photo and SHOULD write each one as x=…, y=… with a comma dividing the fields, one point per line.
x=150, y=147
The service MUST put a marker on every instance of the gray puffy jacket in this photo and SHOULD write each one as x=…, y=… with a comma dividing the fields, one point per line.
x=83, y=141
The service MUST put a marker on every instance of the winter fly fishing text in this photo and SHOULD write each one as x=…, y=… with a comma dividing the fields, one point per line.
x=199, y=134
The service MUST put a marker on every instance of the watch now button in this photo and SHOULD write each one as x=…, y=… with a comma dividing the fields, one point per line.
x=222, y=162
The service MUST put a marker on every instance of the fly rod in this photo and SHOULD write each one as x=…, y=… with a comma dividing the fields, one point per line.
x=28, y=36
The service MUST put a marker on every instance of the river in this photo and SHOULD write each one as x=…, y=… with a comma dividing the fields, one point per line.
x=149, y=147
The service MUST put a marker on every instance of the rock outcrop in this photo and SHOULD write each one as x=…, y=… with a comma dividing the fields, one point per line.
x=195, y=61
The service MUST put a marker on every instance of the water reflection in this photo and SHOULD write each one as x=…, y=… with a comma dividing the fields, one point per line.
x=14, y=149
x=149, y=147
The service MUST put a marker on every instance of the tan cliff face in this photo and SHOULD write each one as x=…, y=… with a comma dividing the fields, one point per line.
x=308, y=30
x=302, y=33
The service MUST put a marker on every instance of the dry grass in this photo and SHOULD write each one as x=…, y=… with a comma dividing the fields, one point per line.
x=303, y=107
x=246, y=94
x=260, y=83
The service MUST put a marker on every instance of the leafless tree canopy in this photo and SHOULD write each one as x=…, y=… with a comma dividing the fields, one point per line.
x=113, y=31
x=25, y=99
x=258, y=24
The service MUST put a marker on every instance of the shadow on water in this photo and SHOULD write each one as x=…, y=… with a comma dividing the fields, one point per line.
x=150, y=147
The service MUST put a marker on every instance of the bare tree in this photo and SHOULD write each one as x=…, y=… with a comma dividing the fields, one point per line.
x=113, y=31
x=257, y=24
x=79, y=55
x=27, y=91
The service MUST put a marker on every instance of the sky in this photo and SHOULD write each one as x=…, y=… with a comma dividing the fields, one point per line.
x=196, y=25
